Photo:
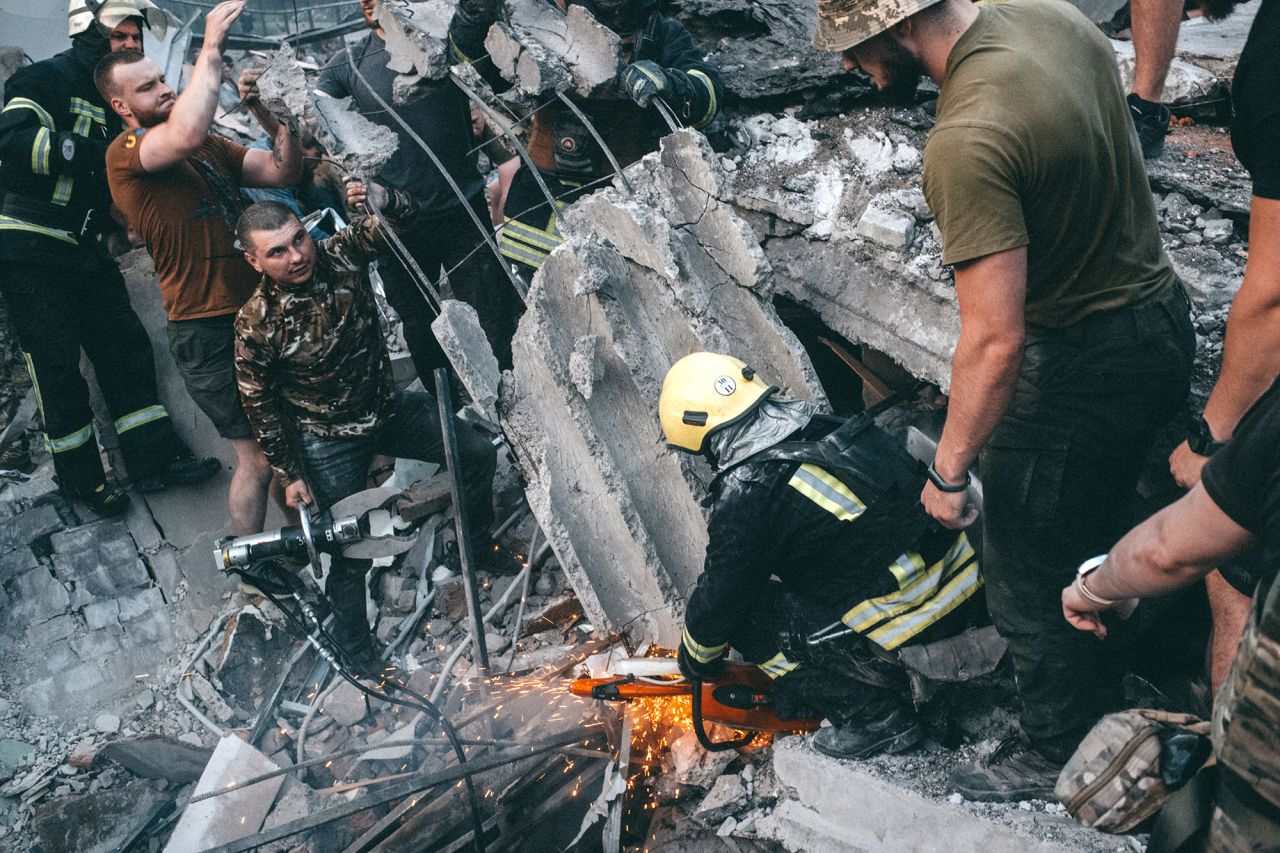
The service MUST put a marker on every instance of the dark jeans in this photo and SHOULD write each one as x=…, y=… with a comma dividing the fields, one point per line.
x=442, y=243
x=1059, y=478
x=339, y=467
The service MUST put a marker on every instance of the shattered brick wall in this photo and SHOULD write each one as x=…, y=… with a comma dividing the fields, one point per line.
x=643, y=279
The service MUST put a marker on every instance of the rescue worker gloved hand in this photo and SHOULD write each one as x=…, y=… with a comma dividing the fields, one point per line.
x=698, y=661
x=642, y=81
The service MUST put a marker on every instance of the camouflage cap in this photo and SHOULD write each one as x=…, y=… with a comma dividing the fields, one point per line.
x=845, y=23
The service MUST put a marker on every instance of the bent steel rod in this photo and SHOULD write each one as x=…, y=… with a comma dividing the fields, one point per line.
x=595, y=134
x=510, y=134
x=485, y=231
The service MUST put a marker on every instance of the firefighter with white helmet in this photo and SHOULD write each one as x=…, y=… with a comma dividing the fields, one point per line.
x=63, y=292
x=830, y=508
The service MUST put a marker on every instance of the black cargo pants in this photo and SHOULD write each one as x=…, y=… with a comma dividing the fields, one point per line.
x=1059, y=477
x=58, y=309
x=452, y=243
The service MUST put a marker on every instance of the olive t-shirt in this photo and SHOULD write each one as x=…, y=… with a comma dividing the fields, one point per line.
x=186, y=215
x=1034, y=147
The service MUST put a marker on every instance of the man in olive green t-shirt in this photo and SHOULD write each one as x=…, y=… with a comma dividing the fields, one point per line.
x=1075, y=344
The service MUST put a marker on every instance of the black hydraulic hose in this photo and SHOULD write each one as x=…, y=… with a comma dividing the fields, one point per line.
x=319, y=635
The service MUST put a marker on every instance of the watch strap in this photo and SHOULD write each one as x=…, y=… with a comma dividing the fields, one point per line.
x=943, y=485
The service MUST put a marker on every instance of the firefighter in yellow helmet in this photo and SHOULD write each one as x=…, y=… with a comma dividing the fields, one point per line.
x=830, y=507
x=64, y=293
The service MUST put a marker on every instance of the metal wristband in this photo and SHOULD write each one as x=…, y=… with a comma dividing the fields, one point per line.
x=1091, y=597
x=943, y=485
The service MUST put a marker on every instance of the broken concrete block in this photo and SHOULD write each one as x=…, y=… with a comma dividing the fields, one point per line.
x=458, y=330
x=28, y=527
x=97, y=645
x=1211, y=280
x=1219, y=230
x=102, y=614
x=1184, y=82
x=233, y=815
x=107, y=723
x=417, y=37
x=361, y=146
x=886, y=225
x=98, y=822
x=37, y=597
x=654, y=274
x=17, y=561
x=347, y=704
x=727, y=797
x=100, y=560
x=153, y=756
x=844, y=805
x=542, y=50
x=249, y=658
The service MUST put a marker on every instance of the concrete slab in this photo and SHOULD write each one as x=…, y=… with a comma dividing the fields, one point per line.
x=842, y=805
x=231, y=816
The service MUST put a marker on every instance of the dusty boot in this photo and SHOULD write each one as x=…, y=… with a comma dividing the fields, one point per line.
x=1152, y=123
x=107, y=501
x=1013, y=772
x=896, y=731
x=183, y=471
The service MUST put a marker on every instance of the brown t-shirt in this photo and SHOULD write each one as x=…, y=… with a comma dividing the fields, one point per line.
x=186, y=215
x=1034, y=147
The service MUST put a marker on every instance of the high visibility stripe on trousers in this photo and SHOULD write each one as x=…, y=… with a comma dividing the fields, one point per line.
x=61, y=444
x=142, y=417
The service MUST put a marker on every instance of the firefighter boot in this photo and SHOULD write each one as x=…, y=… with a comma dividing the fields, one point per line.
x=896, y=731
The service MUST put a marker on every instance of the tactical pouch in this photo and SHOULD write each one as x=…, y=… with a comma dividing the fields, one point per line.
x=1126, y=767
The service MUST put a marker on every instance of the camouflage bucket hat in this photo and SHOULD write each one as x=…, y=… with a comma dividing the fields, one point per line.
x=845, y=23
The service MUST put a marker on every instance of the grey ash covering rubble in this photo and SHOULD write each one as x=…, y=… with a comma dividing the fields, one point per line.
x=129, y=664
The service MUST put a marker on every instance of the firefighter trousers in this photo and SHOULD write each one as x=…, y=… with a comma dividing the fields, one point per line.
x=58, y=310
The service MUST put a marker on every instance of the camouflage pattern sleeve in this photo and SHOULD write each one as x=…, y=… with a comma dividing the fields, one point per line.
x=355, y=246
x=263, y=404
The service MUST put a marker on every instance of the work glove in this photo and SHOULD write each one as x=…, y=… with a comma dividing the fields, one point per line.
x=643, y=81
x=691, y=667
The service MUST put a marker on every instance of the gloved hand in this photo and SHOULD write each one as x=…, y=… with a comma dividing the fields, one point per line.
x=642, y=81
x=478, y=10
x=691, y=667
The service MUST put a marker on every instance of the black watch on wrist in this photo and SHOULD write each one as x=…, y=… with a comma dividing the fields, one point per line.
x=1200, y=438
x=943, y=485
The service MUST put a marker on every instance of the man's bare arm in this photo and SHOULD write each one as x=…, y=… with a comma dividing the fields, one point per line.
x=188, y=124
x=279, y=167
x=1251, y=351
x=1174, y=548
x=992, y=295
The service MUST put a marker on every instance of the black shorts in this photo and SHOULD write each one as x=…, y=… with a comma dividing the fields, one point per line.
x=1255, y=98
x=204, y=351
x=1245, y=570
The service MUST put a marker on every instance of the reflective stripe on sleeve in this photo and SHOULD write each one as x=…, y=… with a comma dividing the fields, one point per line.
x=777, y=666
x=699, y=652
x=712, y=106
x=827, y=492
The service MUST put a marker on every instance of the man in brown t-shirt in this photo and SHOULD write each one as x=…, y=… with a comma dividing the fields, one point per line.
x=179, y=185
x=1075, y=342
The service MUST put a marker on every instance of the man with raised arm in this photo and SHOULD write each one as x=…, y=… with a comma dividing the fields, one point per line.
x=179, y=185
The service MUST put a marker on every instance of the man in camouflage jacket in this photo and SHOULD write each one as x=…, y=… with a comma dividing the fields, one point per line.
x=315, y=378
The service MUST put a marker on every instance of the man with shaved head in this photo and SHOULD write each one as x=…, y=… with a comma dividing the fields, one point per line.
x=179, y=184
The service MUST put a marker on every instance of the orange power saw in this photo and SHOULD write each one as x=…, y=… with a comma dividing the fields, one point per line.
x=739, y=696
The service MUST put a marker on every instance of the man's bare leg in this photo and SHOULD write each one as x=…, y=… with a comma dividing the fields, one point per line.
x=250, y=484
x=1155, y=25
x=1230, y=611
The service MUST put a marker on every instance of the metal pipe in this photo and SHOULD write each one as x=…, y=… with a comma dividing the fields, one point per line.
x=485, y=231
x=595, y=134
x=524, y=595
x=461, y=520
x=191, y=663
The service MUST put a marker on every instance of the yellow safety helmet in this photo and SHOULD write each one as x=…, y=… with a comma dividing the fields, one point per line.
x=704, y=392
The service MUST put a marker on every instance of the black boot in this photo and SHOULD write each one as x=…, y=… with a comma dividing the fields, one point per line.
x=107, y=501
x=186, y=470
x=1013, y=772
x=894, y=732
x=1152, y=122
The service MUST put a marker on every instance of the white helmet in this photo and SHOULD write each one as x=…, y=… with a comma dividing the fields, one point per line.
x=110, y=13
